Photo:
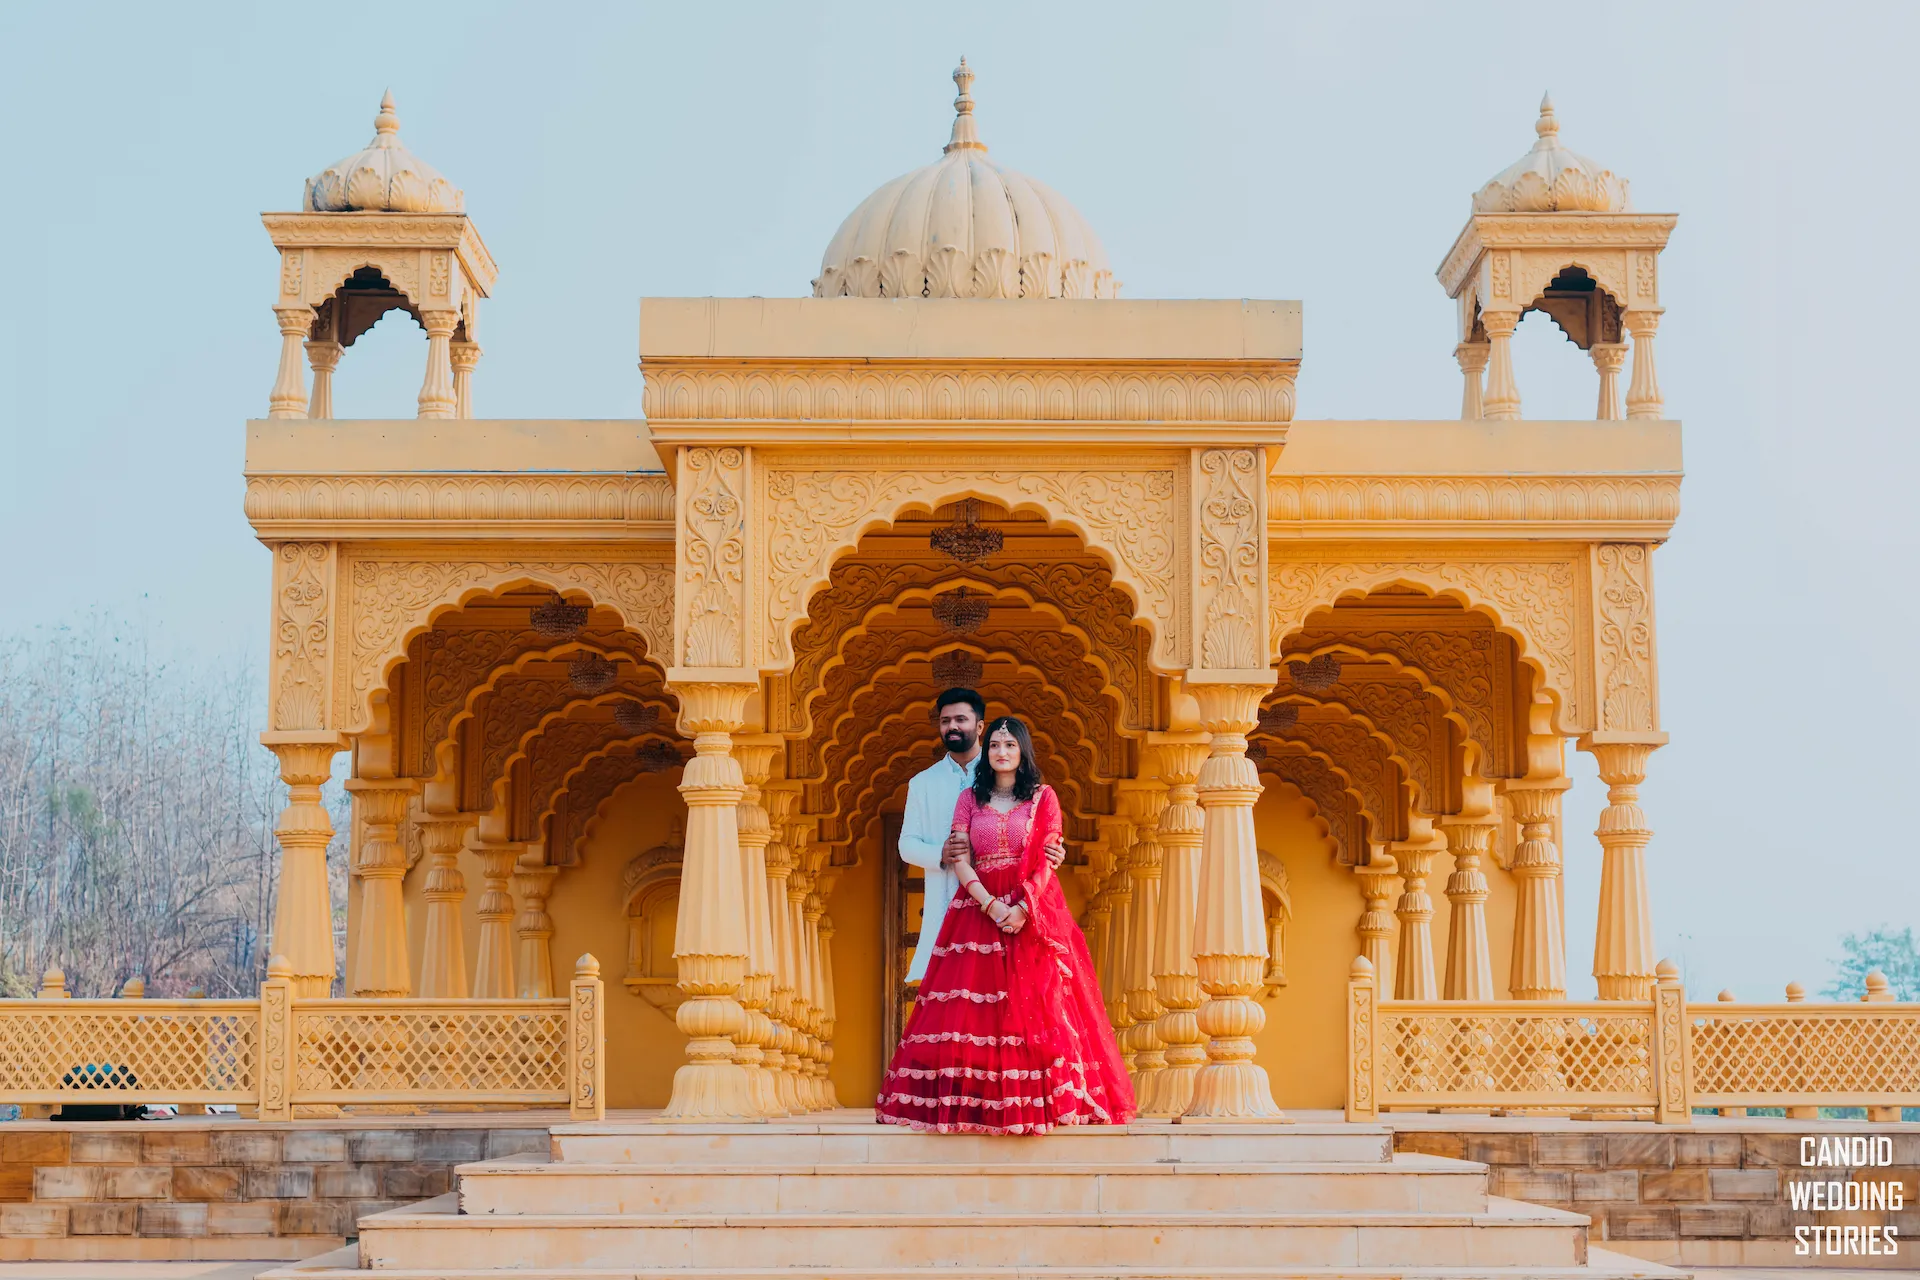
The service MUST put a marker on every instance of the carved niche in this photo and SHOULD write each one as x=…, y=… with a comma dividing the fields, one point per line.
x=650, y=887
x=1276, y=901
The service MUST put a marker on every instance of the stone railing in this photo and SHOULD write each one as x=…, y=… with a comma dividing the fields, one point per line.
x=271, y=1055
x=1660, y=1058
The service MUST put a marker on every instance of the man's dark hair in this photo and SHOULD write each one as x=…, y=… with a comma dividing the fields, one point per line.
x=968, y=696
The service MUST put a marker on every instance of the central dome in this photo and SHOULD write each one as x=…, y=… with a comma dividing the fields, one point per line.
x=965, y=227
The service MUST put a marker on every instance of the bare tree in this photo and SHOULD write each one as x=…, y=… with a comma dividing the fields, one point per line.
x=136, y=818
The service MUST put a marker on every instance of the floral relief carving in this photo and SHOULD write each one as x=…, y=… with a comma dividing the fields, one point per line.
x=1038, y=393
x=328, y=269
x=1643, y=277
x=1318, y=783
x=1502, y=276
x=1536, y=270
x=392, y=598
x=1132, y=515
x=1589, y=500
x=1231, y=530
x=290, y=262
x=1535, y=598
x=1624, y=639
x=714, y=549
x=439, y=275
x=302, y=632
x=483, y=498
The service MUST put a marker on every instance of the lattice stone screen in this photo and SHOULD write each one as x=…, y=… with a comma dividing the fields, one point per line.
x=1517, y=1055
x=129, y=1051
x=369, y=1051
x=1771, y=1055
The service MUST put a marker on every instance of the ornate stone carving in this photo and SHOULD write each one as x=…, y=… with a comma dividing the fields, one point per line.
x=272, y=501
x=713, y=558
x=1132, y=513
x=1479, y=504
x=1315, y=779
x=1535, y=600
x=939, y=392
x=1462, y=667
x=391, y=599
x=302, y=633
x=1623, y=648
x=1232, y=552
x=1368, y=763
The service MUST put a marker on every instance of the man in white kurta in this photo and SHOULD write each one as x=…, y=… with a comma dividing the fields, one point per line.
x=928, y=821
x=926, y=829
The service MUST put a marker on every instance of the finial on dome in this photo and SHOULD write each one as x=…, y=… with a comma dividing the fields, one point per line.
x=1546, y=126
x=387, y=122
x=965, y=137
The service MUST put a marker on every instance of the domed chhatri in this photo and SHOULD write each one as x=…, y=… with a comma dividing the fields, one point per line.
x=383, y=177
x=1552, y=179
x=965, y=227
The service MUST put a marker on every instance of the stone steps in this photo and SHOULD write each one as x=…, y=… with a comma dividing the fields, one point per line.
x=1507, y=1234
x=804, y=1143
x=1410, y=1183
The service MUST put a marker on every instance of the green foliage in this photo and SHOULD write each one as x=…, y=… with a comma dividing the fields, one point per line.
x=1894, y=954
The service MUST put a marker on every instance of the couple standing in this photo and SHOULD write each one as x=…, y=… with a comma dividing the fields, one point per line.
x=1009, y=1032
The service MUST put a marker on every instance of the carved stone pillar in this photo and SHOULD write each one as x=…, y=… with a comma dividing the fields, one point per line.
x=1176, y=976
x=324, y=356
x=1473, y=368
x=1469, y=954
x=820, y=1025
x=436, y=390
x=1623, y=941
x=1145, y=798
x=1539, y=967
x=1608, y=358
x=755, y=755
x=1230, y=927
x=1116, y=832
x=289, y=397
x=493, y=969
x=1120, y=889
x=779, y=799
x=1643, y=392
x=534, y=929
x=829, y=1098
x=801, y=1055
x=1503, y=394
x=463, y=356
x=443, y=960
x=303, y=915
x=1376, y=921
x=710, y=939
x=380, y=956
x=1414, y=978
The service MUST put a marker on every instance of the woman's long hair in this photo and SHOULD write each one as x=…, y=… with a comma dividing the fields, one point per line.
x=1026, y=775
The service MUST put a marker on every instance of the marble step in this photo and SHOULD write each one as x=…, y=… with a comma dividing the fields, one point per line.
x=842, y=1142
x=1410, y=1184
x=1508, y=1234
x=343, y=1264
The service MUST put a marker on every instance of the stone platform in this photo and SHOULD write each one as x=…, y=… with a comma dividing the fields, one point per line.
x=842, y=1197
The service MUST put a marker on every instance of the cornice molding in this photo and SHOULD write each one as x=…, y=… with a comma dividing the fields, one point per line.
x=1634, y=508
x=1485, y=231
x=416, y=504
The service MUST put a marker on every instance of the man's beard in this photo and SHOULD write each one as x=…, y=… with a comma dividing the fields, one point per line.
x=957, y=742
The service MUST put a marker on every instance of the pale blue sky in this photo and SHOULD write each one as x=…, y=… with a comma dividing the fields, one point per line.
x=1319, y=152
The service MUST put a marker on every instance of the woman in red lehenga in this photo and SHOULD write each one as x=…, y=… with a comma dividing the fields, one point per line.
x=1009, y=1034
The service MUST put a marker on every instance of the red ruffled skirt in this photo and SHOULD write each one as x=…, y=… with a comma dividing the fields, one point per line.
x=1009, y=1034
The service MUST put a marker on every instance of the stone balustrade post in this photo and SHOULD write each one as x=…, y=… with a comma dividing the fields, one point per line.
x=1145, y=799
x=533, y=929
x=710, y=939
x=493, y=967
x=1643, y=391
x=289, y=397
x=1797, y=994
x=380, y=967
x=1608, y=359
x=53, y=985
x=1473, y=369
x=1538, y=970
x=1230, y=926
x=463, y=356
x=443, y=960
x=436, y=390
x=303, y=913
x=1469, y=972
x=324, y=357
x=1176, y=976
x=1623, y=964
x=1502, y=400
x=755, y=754
x=1376, y=924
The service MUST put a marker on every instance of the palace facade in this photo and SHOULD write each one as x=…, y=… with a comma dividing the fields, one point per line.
x=652, y=690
